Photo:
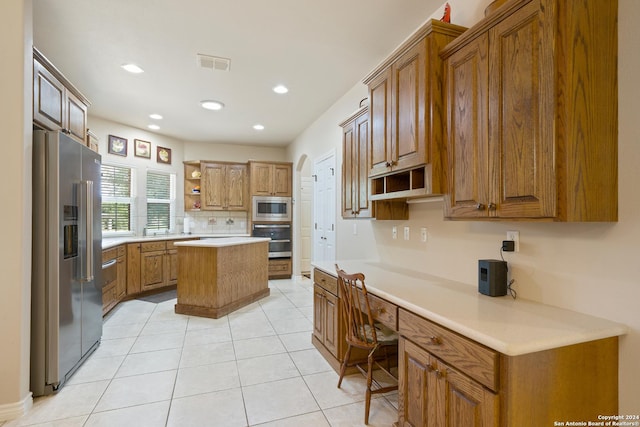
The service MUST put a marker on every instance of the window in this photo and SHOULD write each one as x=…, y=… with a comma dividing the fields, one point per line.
x=160, y=200
x=116, y=198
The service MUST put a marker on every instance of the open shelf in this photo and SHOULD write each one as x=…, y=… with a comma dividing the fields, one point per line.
x=402, y=185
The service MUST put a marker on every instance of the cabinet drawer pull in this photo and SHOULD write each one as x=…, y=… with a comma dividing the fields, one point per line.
x=435, y=340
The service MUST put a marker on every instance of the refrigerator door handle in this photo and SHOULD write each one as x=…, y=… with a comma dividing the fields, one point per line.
x=88, y=272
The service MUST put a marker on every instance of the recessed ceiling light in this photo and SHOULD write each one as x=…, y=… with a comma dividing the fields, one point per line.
x=280, y=89
x=258, y=127
x=212, y=105
x=132, y=68
x=155, y=116
x=154, y=127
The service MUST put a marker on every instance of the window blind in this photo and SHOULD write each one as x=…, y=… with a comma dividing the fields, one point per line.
x=158, y=201
x=116, y=198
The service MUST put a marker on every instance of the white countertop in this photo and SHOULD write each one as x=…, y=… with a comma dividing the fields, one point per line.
x=222, y=242
x=512, y=327
x=110, y=242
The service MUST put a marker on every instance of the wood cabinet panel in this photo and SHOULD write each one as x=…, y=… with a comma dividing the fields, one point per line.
x=380, y=124
x=477, y=361
x=121, y=286
x=282, y=180
x=431, y=393
x=153, y=270
x=546, y=148
x=270, y=179
x=133, y=269
x=224, y=186
x=467, y=130
x=48, y=98
x=355, y=180
x=57, y=105
x=76, y=117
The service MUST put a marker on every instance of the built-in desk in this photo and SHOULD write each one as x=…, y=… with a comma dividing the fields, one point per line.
x=218, y=276
x=475, y=360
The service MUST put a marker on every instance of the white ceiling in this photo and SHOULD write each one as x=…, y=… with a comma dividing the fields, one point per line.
x=318, y=49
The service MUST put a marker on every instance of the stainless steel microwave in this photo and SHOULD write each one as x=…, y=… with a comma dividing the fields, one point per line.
x=271, y=209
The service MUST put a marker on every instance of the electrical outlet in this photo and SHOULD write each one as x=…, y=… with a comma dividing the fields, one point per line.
x=423, y=234
x=515, y=236
x=406, y=233
x=394, y=232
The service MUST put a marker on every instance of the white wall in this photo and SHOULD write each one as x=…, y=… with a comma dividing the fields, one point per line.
x=15, y=191
x=590, y=268
x=233, y=152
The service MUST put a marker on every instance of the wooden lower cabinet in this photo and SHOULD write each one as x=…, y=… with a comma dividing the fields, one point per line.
x=151, y=265
x=280, y=268
x=327, y=333
x=446, y=379
x=121, y=284
x=153, y=269
x=431, y=393
x=116, y=289
x=325, y=321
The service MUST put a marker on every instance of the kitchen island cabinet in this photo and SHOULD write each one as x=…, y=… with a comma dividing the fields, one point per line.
x=218, y=276
x=473, y=360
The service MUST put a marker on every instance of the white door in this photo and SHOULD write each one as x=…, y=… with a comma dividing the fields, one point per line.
x=324, y=202
x=306, y=223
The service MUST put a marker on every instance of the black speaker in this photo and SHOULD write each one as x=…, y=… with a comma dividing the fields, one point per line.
x=492, y=277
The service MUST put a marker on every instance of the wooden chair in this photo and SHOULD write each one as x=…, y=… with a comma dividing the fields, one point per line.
x=362, y=332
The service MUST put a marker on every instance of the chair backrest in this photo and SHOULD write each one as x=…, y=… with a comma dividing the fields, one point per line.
x=356, y=310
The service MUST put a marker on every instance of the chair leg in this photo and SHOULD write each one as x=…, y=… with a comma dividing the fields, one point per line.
x=367, y=402
x=343, y=366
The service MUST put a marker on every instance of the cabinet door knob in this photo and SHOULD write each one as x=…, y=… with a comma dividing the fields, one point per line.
x=435, y=340
x=387, y=164
x=492, y=206
x=479, y=206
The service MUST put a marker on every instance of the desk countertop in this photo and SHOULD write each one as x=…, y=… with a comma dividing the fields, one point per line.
x=512, y=327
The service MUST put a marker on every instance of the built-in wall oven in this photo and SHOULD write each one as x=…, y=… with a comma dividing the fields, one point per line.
x=280, y=234
x=271, y=208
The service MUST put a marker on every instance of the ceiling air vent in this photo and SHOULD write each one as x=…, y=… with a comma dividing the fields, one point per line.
x=213, y=63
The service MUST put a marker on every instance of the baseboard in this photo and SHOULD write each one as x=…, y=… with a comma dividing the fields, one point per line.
x=11, y=411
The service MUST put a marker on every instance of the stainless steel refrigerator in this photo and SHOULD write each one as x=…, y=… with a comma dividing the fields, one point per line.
x=66, y=295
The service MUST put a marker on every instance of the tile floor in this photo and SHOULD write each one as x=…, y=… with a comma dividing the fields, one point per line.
x=254, y=367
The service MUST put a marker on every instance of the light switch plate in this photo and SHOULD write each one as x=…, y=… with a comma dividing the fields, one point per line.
x=406, y=233
x=423, y=234
x=394, y=232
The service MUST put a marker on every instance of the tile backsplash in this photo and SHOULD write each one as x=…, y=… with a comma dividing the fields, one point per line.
x=217, y=222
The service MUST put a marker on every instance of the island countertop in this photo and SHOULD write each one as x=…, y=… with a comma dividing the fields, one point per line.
x=512, y=327
x=222, y=242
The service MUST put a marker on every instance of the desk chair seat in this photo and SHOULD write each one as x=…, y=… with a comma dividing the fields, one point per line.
x=380, y=342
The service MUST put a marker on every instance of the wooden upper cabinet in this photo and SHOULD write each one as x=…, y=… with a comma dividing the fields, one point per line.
x=355, y=182
x=405, y=101
x=57, y=105
x=531, y=99
x=380, y=124
x=467, y=74
x=223, y=186
x=270, y=179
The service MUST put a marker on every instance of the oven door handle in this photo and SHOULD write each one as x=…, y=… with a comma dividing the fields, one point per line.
x=280, y=241
x=271, y=226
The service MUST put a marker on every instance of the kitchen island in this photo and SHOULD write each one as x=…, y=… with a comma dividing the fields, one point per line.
x=218, y=276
